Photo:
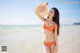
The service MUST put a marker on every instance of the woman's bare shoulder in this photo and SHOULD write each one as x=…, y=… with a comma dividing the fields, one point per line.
x=54, y=23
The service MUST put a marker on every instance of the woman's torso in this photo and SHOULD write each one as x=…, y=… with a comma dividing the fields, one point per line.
x=48, y=28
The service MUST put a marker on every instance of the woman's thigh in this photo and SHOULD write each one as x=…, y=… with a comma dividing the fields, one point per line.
x=53, y=49
x=47, y=49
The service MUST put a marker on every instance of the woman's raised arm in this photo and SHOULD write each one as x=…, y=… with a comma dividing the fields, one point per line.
x=39, y=16
x=41, y=10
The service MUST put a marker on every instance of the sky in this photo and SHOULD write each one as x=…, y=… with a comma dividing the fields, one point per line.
x=21, y=12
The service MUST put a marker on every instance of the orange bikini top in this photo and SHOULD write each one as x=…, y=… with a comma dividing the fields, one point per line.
x=49, y=28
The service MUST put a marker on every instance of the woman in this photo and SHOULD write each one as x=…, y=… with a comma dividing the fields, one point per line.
x=50, y=30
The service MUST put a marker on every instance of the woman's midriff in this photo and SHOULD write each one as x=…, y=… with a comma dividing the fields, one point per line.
x=48, y=36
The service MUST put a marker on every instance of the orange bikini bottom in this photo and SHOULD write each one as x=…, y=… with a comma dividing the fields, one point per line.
x=49, y=44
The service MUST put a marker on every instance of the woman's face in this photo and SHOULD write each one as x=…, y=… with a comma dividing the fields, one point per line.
x=51, y=13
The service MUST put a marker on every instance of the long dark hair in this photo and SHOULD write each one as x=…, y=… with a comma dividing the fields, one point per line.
x=56, y=18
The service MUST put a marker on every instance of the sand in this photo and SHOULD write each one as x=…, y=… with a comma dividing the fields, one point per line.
x=30, y=40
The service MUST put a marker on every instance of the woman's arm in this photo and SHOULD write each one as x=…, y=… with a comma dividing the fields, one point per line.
x=41, y=17
x=56, y=37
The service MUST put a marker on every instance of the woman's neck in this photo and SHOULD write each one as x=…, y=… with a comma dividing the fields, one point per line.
x=50, y=19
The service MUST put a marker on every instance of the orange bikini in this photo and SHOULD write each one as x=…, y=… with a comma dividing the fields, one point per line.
x=49, y=28
x=49, y=44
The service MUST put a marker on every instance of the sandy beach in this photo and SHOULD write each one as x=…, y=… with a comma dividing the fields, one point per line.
x=29, y=40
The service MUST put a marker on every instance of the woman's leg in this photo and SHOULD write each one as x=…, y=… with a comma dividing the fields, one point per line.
x=47, y=49
x=53, y=49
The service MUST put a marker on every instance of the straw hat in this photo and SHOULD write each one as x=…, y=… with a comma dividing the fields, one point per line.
x=42, y=9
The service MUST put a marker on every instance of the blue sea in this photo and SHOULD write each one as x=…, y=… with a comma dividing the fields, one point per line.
x=19, y=26
x=23, y=26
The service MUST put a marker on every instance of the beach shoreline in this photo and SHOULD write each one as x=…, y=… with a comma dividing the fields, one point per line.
x=29, y=40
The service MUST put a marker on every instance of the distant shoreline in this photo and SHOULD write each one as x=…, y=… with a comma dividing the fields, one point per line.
x=76, y=23
x=41, y=24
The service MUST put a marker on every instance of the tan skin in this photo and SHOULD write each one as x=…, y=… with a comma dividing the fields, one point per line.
x=53, y=48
